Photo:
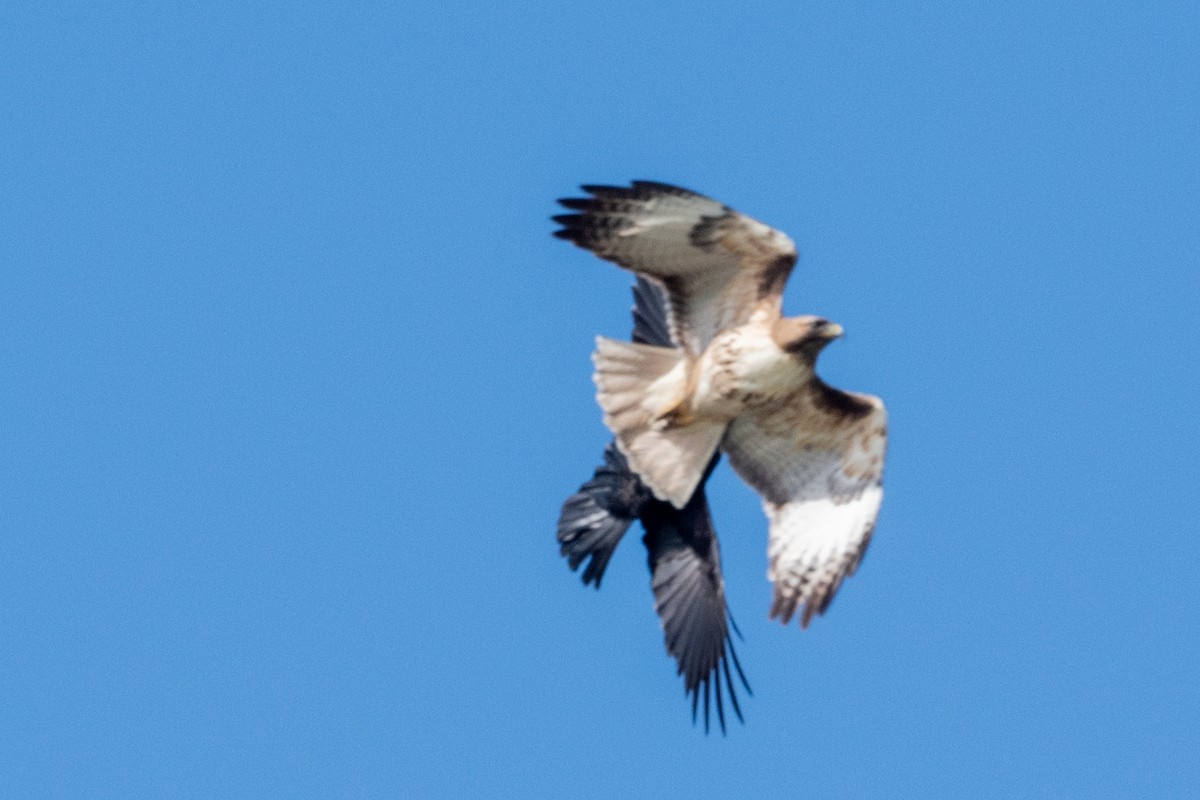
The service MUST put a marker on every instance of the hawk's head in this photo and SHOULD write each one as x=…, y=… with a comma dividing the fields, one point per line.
x=805, y=337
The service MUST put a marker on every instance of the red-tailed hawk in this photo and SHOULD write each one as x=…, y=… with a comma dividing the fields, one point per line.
x=681, y=544
x=739, y=377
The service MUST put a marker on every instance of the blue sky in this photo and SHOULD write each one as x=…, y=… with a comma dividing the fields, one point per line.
x=295, y=381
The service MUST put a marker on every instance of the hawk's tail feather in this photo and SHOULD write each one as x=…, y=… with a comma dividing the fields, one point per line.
x=639, y=386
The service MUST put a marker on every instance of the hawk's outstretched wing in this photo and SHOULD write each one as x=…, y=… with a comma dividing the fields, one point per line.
x=717, y=266
x=681, y=544
x=818, y=465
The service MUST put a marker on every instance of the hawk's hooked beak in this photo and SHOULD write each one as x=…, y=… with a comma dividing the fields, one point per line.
x=831, y=331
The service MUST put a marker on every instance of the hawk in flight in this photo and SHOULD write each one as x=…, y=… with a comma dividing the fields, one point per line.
x=734, y=376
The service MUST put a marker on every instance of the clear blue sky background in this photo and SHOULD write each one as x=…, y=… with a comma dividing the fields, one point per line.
x=294, y=381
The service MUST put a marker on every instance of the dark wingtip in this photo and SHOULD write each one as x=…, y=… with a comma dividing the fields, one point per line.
x=710, y=686
x=733, y=623
x=737, y=665
x=593, y=521
x=577, y=203
x=720, y=703
x=737, y=709
x=660, y=187
x=599, y=189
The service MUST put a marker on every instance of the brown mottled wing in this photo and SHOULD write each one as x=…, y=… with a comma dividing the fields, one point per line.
x=818, y=465
x=717, y=266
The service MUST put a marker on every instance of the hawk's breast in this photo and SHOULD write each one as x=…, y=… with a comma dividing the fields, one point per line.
x=744, y=367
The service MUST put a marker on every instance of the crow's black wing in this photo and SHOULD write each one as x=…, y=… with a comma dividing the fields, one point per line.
x=689, y=595
x=594, y=519
x=650, y=314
